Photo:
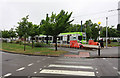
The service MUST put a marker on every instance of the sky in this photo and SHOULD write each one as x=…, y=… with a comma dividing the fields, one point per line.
x=11, y=11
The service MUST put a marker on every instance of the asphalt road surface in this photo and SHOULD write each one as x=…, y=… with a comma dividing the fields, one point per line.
x=45, y=67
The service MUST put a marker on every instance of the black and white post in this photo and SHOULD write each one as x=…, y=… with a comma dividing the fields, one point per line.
x=106, y=30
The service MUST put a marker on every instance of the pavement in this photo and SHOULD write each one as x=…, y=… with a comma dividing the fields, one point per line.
x=110, y=52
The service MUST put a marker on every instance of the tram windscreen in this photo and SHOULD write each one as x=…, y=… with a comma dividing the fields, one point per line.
x=79, y=37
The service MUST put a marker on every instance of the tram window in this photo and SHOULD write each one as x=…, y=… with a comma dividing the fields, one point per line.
x=61, y=38
x=84, y=38
x=74, y=38
x=50, y=38
x=45, y=38
x=79, y=37
x=40, y=38
x=58, y=38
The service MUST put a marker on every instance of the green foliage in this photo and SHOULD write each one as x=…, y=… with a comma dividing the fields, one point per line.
x=94, y=32
x=112, y=32
x=22, y=29
x=56, y=24
x=12, y=33
x=5, y=34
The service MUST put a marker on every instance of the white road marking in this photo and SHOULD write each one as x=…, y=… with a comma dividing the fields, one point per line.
x=22, y=68
x=71, y=66
x=40, y=68
x=66, y=72
x=96, y=71
x=104, y=58
x=35, y=72
x=45, y=66
x=30, y=64
x=95, y=68
x=9, y=74
x=49, y=57
x=115, y=68
x=119, y=72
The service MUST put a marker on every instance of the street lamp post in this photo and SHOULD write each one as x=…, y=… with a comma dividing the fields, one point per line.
x=99, y=39
x=85, y=34
x=106, y=30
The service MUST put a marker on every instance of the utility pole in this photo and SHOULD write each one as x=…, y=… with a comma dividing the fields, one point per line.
x=81, y=26
x=106, y=30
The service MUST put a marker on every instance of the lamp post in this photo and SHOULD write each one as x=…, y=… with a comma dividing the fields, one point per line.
x=99, y=29
x=106, y=30
x=85, y=34
x=99, y=39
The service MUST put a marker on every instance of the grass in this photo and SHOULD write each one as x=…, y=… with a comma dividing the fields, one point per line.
x=17, y=48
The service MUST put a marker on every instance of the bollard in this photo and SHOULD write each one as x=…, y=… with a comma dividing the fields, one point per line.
x=99, y=50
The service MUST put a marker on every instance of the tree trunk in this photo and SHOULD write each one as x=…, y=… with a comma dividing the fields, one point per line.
x=47, y=39
x=32, y=42
x=55, y=43
x=24, y=44
x=12, y=40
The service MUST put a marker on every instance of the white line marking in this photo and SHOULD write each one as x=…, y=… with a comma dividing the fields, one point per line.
x=66, y=72
x=115, y=68
x=40, y=68
x=35, y=72
x=22, y=68
x=8, y=74
x=104, y=58
x=30, y=64
x=45, y=66
x=119, y=73
x=70, y=66
x=97, y=72
x=95, y=68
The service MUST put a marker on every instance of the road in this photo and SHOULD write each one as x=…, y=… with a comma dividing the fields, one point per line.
x=24, y=65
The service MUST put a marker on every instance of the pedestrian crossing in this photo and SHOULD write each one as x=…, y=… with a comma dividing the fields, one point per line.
x=60, y=67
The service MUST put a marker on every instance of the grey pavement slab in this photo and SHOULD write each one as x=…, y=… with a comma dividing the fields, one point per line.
x=106, y=52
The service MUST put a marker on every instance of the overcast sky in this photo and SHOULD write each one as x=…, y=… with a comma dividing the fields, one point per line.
x=11, y=11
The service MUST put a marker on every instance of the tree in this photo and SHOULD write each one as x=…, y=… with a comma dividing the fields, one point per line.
x=118, y=30
x=5, y=34
x=45, y=27
x=58, y=24
x=22, y=29
x=94, y=32
x=33, y=30
x=12, y=33
x=88, y=24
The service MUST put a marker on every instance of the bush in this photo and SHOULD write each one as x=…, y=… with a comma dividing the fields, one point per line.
x=5, y=41
x=17, y=42
x=11, y=42
x=114, y=40
x=41, y=45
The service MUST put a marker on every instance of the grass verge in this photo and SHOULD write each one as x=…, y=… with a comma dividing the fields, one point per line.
x=17, y=48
